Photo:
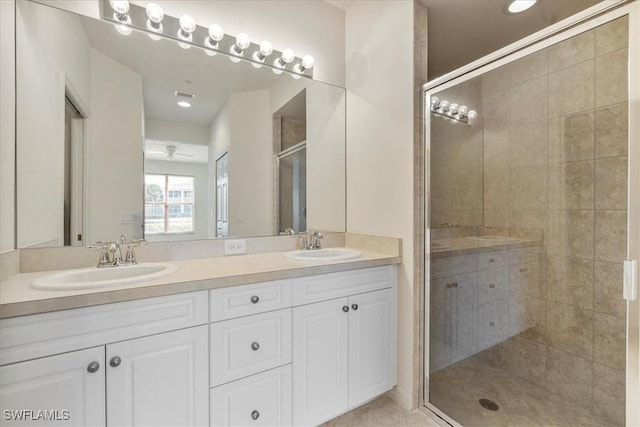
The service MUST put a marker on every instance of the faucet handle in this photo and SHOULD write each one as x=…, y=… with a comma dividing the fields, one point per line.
x=103, y=260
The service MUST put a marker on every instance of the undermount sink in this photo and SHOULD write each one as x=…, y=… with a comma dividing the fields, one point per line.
x=327, y=254
x=495, y=238
x=91, y=278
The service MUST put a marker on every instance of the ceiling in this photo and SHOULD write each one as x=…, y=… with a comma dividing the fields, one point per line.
x=461, y=31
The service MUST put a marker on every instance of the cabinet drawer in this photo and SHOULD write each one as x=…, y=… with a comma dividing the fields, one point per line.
x=311, y=289
x=237, y=301
x=38, y=335
x=248, y=345
x=259, y=400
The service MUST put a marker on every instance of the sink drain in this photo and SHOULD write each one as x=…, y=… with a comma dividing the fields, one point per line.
x=489, y=404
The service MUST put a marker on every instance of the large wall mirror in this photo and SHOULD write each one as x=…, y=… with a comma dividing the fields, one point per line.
x=128, y=134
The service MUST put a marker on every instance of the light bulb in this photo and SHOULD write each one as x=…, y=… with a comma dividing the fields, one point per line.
x=216, y=33
x=288, y=56
x=154, y=13
x=435, y=101
x=242, y=42
x=187, y=26
x=154, y=37
x=453, y=108
x=266, y=48
x=121, y=7
x=184, y=104
x=472, y=114
x=308, y=61
x=444, y=105
x=463, y=110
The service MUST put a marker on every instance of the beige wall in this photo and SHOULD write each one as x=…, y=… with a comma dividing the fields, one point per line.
x=379, y=49
x=116, y=127
x=7, y=126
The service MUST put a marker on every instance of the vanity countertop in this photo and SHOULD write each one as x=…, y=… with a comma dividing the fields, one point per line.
x=18, y=298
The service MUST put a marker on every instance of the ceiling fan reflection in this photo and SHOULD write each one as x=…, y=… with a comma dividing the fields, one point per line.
x=170, y=152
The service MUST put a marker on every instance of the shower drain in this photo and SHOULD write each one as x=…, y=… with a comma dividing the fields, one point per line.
x=489, y=404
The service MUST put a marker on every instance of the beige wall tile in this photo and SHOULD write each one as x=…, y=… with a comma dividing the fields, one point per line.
x=570, y=233
x=611, y=78
x=608, y=289
x=611, y=125
x=527, y=317
x=571, y=185
x=571, y=89
x=571, y=137
x=528, y=144
x=528, y=279
x=569, y=376
x=526, y=360
x=528, y=187
x=529, y=67
x=609, y=340
x=529, y=100
x=612, y=36
x=494, y=218
x=496, y=81
x=496, y=190
x=570, y=281
x=570, y=329
x=572, y=51
x=496, y=149
x=611, y=236
x=611, y=183
x=528, y=218
x=608, y=394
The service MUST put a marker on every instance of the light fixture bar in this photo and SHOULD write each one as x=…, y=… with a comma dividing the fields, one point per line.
x=201, y=37
x=451, y=110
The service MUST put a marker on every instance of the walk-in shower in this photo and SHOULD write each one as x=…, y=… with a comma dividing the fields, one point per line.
x=527, y=214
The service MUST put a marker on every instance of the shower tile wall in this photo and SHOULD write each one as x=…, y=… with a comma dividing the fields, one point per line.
x=553, y=147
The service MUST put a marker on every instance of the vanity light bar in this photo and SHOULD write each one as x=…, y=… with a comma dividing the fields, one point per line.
x=212, y=39
x=461, y=113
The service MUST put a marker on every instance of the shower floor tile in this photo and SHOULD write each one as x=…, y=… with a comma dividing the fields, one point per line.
x=457, y=389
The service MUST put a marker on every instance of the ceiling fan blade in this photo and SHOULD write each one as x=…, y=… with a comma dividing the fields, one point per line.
x=182, y=154
x=155, y=152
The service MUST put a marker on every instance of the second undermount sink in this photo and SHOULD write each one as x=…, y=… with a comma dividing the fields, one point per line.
x=326, y=254
x=93, y=278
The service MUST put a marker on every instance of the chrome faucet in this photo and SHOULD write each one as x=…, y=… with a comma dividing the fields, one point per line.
x=111, y=254
x=311, y=241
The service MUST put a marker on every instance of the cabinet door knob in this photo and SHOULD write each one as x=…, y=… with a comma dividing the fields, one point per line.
x=93, y=367
x=255, y=415
x=354, y=306
x=255, y=346
x=492, y=286
x=115, y=361
x=523, y=270
x=255, y=299
x=345, y=308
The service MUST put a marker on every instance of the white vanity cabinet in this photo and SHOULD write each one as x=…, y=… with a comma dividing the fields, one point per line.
x=344, y=348
x=137, y=375
x=70, y=387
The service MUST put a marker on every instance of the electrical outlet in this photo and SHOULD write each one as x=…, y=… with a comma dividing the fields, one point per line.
x=235, y=247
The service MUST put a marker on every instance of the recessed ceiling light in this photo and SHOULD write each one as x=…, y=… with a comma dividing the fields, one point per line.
x=517, y=6
x=184, y=104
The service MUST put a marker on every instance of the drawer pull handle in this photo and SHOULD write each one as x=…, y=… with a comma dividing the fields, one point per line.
x=93, y=367
x=492, y=286
x=255, y=346
x=255, y=415
x=492, y=260
x=452, y=285
x=492, y=324
x=354, y=306
x=115, y=361
x=523, y=270
x=255, y=299
x=345, y=308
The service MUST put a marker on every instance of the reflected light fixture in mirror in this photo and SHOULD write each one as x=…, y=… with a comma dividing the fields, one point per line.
x=187, y=27
x=452, y=110
x=266, y=49
x=121, y=15
x=216, y=34
x=281, y=63
x=307, y=62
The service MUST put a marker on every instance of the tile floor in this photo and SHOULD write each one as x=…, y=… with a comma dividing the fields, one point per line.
x=457, y=389
x=385, y=412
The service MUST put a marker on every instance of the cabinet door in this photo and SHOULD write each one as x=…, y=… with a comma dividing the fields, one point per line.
x=463, y=316
x=320, y=361
x=160, y=380
x=66, y=390
x=371, y=345
x=259, y=400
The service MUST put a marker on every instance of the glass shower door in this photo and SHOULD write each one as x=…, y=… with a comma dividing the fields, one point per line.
x=528, y=234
